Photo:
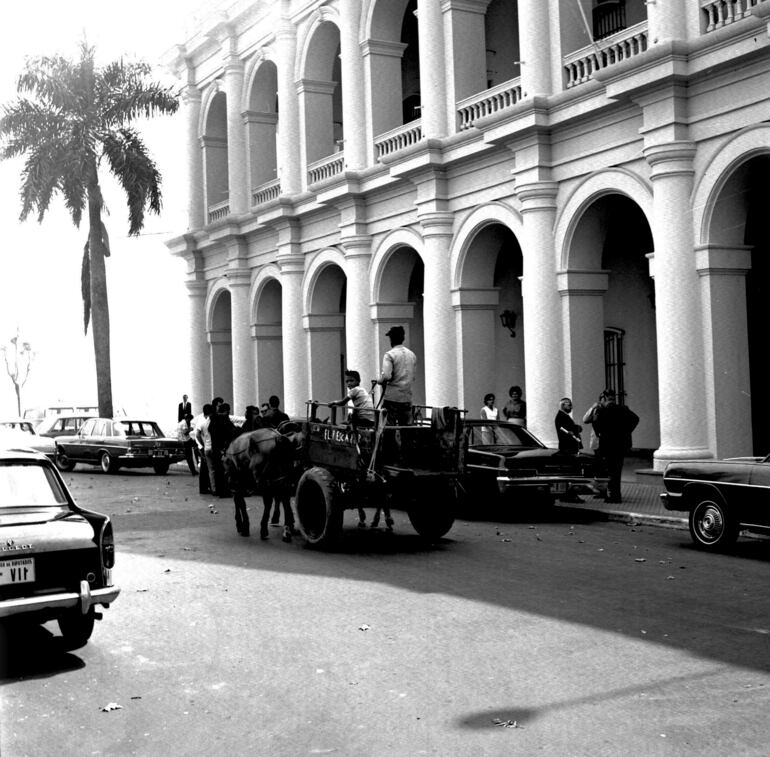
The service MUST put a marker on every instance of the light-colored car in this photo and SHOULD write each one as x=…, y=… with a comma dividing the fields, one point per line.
x=57, y=558
x=62, y=425
x=17, y=433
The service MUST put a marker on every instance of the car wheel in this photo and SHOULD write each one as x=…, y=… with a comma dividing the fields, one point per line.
x=160, y=468
x=107, y=463
x=76, y=628
x=320, y=516
x=711, y=525
x=63, y=463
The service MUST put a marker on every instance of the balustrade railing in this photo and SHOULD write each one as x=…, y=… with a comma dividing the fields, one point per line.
x=219, y=211
x=581, y=65
x=719, y=13
x=490, y=101
x=266, y=192
x=326, y=168
x=398, y=138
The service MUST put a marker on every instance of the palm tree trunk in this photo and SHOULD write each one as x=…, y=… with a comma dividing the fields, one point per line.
x=100, y=311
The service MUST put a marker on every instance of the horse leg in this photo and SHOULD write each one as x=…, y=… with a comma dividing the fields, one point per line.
x=288, y=516
x=263, y=530
x=361, y=518
x=376, y=519
x=241, y=514
x=388, y=519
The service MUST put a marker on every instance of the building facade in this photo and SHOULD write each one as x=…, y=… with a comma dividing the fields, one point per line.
x=559, y=194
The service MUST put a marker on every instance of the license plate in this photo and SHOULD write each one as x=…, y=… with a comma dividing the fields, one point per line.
x=160, y=453
x=559, y=488
x=17, y=571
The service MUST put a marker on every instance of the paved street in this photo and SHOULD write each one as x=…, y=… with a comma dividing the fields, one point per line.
x=573, y=635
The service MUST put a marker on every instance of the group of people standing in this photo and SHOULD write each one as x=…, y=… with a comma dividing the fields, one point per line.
x=611, y=428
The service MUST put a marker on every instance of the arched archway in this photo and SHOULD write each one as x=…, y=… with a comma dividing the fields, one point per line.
x=608, y=302
x=398, y=300
x=220, y=345
x=325, y=327
x=321, y=93
x=214, y=142
x=267, y=333
x=491, y=357
x=261, y=118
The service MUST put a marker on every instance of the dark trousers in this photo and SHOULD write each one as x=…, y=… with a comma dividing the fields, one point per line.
x=614, y=462
x=203, y=476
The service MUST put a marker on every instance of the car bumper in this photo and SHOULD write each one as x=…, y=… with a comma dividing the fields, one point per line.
x=673, y=501
x=553, y=485
x=85, y=598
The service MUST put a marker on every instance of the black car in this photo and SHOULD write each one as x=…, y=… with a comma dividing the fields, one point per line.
x=505, y=461
x=56, y=558
x=721, y=497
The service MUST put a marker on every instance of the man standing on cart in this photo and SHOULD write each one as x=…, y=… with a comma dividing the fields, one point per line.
x=399, y=365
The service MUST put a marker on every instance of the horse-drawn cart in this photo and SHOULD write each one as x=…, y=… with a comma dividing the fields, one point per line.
x=413, y=468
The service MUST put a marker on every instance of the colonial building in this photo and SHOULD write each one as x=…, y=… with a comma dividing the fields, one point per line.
x=560, y=194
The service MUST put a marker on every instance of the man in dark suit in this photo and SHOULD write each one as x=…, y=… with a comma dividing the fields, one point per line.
x=183, y=408
x=613, y=425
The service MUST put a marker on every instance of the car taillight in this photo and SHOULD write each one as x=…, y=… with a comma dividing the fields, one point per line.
x=108, y=546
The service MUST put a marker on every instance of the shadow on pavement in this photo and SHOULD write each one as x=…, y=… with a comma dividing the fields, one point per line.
x=28, y=651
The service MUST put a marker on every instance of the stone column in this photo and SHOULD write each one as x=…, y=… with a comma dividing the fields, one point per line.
x=295, y=360
x=677, y=306
x=543, y=343
x=358, y=322
x=237, y=183
x=582, y=311
x=196, y=210
x=535, y=44
x=353, y=100
x=244, y=380
x=464, y=61
x=438, y=315
x=722, y=272
x=200, y=362
x=260, y=128
x=433, y=91
x=288, y=117
x=382, y=74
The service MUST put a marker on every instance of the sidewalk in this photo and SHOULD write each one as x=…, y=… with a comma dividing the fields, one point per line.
x=641, y=488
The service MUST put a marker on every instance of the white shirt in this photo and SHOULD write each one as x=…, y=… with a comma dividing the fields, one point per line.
x=399, y=365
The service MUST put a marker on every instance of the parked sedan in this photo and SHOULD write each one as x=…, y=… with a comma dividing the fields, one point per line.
x=56, y=558
x=721, y=497
x=504, y=459
x=118, y=443
x=19, y=432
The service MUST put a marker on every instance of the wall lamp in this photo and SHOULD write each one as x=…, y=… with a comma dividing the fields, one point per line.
x=508, y=319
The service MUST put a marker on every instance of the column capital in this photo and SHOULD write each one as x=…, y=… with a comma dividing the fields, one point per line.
x=723, y=260
x=670, y=159
x=383, y=47
x=191, y=95
x=437, y=223
x=196, y=288
x=584, y=283
x=233, y=65
x=537, y=195
x=238, y=277
x=475, y=298
x=291, y=264
x=315, y=86
x=357, y=246
x=468, y=6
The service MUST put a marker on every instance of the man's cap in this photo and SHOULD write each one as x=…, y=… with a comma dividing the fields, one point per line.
x=395, y=331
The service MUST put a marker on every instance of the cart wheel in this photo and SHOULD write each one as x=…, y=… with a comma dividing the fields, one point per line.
x=433, y=513
x=319, y=516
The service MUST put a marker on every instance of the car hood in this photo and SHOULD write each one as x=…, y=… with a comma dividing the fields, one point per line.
x=29, y=531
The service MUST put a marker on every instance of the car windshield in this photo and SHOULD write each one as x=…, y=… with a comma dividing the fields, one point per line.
x=502, y=434
x=136, y=428
x=29, y=485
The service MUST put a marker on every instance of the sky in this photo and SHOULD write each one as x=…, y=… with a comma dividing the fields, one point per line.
x=40, y=263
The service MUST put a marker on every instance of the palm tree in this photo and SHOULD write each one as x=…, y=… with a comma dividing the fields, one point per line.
x=69, y=117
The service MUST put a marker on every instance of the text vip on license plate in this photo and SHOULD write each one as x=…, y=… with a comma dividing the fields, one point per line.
x=160, y=453
x=17, y=571
x=559, y=488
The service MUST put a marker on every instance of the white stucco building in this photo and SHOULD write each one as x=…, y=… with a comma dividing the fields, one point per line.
x=600, y=169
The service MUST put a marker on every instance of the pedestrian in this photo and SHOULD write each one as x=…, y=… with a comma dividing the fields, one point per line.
x=221, y=432
x=613, y=425
x=488, y=413
x=184, y=434
x=567, y=431
x=590, y=417
x=183, y=408
x=362, y=411
x=203, y=441
x=274, y=416
x=252, y=419
x=265, y=409
x=515, y=410
x=399, y=365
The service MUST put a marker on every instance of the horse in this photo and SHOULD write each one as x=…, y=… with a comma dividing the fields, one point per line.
x=264, y=461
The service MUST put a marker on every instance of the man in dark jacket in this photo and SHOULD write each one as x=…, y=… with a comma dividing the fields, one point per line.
x=222, y=431
x=613, y=425
x=274, y=416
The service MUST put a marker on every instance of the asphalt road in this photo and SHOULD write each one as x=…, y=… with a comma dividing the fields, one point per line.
x=563, y=636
